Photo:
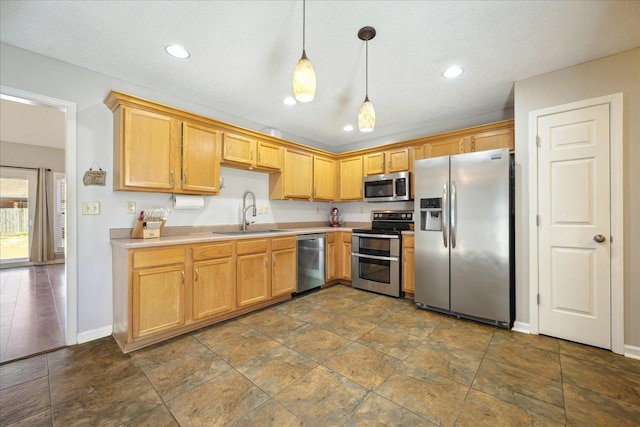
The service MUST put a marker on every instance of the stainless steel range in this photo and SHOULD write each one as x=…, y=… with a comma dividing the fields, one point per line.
x=376, y=252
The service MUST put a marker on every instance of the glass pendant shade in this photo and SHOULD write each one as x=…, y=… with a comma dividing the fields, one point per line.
x=367, y=116
x=304, y=80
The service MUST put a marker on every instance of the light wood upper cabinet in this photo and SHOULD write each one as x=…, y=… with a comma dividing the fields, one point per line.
x=324, y=178
x=214, y=281
x=254, y=153
x=447, y=147
x=283, y=266
x=253, y=271
x=481, y=141
x=350, y=179
x=397, y=160
x=200, y=159
x=502, y=138
x=146, y=151
x=296, y=179
x=408, y=262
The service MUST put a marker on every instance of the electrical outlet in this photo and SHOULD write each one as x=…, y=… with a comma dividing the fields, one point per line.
x=266, y=209
x=90, y=208
x=260, y=209
x=131, y=207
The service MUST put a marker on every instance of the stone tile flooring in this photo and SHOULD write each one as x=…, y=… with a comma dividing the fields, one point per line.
x=335, y=357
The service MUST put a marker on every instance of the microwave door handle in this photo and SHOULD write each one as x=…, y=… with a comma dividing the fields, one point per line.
x=454, y=214
x=445, y=213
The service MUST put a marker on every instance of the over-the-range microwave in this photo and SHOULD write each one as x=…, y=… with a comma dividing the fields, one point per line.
x=386, y=187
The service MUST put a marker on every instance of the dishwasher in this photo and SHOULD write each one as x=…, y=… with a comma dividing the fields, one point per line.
x=311, y=273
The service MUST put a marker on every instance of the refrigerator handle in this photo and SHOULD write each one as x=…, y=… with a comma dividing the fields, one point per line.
x=445, y=224
x=454, y=211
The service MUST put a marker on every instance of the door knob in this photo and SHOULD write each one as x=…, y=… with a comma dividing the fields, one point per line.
x=599, y=238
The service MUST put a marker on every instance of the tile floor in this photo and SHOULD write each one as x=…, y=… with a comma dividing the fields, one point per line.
x=32, y=310
x=336, y=357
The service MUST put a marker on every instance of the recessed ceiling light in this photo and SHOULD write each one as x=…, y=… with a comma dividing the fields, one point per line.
x=177, y=51
x=453, y=71
x=347, y=128
x=289, y=100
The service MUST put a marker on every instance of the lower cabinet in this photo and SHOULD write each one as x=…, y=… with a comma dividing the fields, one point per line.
x=165, y=291
x=345, y=256
x=338, y=256
x=408, y=261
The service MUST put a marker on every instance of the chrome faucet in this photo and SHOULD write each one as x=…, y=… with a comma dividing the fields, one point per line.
x=245, y=223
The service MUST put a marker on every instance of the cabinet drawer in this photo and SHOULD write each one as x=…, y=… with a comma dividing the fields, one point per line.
x=218, y=250
x=153, y=257
x=280, y=243
x=252, y=246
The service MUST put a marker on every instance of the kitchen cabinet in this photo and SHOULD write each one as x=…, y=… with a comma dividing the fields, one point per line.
x=447, y=147
x=296, y=179
x=157, y=291
x=158, y=152
x=350, y=179
x=214, y=281
x=396, y=160
x=324, y=179
x=408, y=262
x=254, y=153
x=283, y=266
x=332, y=261
x=200, y=159
x=345, y=256
x=253, y=271
x=481, y=141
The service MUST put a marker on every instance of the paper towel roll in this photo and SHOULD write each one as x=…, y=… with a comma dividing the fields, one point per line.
x=181, y=201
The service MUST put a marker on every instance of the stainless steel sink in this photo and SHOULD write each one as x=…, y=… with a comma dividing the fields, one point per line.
x=245, y=232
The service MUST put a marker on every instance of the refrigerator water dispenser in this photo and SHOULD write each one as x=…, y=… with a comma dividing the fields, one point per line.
x=431, y=214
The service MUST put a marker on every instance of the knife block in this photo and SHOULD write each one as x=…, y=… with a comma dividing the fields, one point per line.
x=147, y=229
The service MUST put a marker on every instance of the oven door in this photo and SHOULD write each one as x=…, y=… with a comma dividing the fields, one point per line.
x=375, y=263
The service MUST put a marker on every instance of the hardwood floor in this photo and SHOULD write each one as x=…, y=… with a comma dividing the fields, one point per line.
x=32, y=310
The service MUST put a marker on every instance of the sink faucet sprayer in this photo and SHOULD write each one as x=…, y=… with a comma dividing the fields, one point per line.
x=245, y=223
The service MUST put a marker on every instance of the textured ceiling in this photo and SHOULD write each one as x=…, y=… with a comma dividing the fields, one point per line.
x=243, y=54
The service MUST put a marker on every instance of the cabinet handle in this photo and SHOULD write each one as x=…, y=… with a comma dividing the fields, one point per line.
x=182, y=276
x=171, y=177
x=196, y=274
x=258, y=157
x=473, y=144
x=184, y=176
x=266, y=261
x=251, y=155
x=273, y=260
x=462, y=145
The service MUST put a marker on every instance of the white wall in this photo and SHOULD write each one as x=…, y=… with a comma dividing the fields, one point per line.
x=613, y=74
x=31, y=156
x=26, y=71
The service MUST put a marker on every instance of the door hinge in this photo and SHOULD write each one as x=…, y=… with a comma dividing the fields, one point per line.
x=538, y=220
x=538, y=299
x=537, y=141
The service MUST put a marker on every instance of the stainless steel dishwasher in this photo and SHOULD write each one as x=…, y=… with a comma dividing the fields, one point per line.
x=311, y=273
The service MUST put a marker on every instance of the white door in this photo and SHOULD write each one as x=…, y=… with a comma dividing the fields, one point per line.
x=575, y=225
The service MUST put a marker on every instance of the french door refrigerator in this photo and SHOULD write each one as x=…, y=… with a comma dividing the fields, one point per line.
x=464, y=241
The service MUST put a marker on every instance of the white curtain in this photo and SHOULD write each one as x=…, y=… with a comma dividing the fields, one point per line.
x=42, y=244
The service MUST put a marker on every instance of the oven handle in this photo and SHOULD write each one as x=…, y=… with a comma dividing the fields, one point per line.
x=379, y=236
x=383, y=258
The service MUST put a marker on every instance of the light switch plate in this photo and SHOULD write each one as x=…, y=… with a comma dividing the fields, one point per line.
x=90, y=208
x=131, y=207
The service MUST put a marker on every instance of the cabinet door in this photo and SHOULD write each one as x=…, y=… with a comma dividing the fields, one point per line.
x=200, y=159
x=158, y=300
x=148, y=151
x=373, y=163
x=331, y=257
x=398, y=160
x=238, y=148
x=350, y=178
x=283, y=272
x=252, y=279
x=408, y=261
x=324, y=178
x=269, y=155
x=213, y=287
x=447, y=147
x=346, y=256
x=493, y=139
x=298, y=174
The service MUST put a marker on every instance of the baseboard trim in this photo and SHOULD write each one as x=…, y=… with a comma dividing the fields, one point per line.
x=94, y=334
x=632, y=352
x=522, y=327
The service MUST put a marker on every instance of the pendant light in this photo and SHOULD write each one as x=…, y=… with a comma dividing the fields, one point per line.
x=367, y=115
x=304, y=78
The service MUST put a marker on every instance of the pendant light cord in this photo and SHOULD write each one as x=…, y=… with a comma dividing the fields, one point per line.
x=304, y=24
x=366, y=94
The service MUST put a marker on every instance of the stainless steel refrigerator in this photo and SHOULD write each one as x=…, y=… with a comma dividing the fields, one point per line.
x=464, y=241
